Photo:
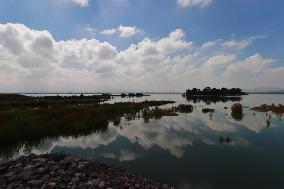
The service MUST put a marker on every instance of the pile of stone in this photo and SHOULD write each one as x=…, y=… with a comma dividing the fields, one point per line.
x=62, y=171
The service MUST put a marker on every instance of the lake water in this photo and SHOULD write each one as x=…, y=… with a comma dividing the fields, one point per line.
x=190, y=150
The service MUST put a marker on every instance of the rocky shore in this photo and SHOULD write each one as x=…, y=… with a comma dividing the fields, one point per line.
x=63, y=171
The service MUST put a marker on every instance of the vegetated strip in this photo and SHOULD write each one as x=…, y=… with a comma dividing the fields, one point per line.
x=277, y=109
x=29, y=125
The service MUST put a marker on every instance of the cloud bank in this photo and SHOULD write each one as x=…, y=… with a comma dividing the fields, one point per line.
x=122, y=31
x=33, y=61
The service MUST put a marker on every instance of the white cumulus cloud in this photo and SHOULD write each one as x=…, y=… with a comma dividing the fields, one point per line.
x=190, y=3
x=122, y=31
x=241, y=44
x=33, y=61
x=83, y=3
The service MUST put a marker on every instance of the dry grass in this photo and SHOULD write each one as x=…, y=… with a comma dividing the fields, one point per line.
x=276, y=109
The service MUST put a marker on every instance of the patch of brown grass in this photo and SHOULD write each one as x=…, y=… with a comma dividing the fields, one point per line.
x=276, y=109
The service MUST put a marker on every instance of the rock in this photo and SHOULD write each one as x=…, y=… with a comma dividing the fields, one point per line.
x=10, y=174
x=4, y=162
x=28, y=174
x=67, y=161
x=20, y=187
x=47, y=172
x=165, y=186
x=15, y=178
x=65, y=179
x=101, y=184
x=69, y=172
x=35, y=183
x=41, y=160
x=3, y=169
x=62, y=185
x=51, y=184
x=51, y=173
x=29, y=167
x=95, y=182
x=61, y=171
x=45, y=178
x=10, y=186
x=83, y=186
x=17, y=165
x=82, y=165
x=42, y=170
x=2, y=181
x=73, y=180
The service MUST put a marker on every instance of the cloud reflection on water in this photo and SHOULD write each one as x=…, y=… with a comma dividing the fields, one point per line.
x=173, y=134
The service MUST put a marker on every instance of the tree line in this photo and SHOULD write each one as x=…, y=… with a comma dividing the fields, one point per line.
x=214, y=92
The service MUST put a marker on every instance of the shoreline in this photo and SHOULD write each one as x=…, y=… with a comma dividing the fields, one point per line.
x=65, y=171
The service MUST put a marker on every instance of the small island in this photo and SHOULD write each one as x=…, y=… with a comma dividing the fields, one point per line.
x=208, y=95
x=132, y=95
x=215, y=92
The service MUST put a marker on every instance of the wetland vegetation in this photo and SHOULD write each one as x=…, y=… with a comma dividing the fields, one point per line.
x=26, y=121
x=276, y=109
x=133, y=133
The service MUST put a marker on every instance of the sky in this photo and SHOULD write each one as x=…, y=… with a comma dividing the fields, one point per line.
x=140, y=45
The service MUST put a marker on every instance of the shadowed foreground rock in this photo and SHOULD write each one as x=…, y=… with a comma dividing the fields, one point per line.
x=62, y=171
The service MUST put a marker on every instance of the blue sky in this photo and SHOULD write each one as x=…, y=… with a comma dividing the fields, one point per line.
x=200, y=20
x=222, y=18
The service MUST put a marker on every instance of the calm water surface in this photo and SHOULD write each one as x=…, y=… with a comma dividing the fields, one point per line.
x=187, y=151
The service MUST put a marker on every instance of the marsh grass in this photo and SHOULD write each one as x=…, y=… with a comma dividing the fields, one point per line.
x=28, y=121
x=278, y=110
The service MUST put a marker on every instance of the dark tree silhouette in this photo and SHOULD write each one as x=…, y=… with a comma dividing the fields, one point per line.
x=207, y=91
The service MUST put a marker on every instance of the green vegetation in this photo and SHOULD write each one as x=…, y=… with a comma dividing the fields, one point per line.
x=237, y=112
x=208, y=110
x=237, y=108
x=214, y=95
x=185, y=108
x=131, y=95
x=157, y=113
x=214, y=92
x=27, y=121
x=14, y=100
